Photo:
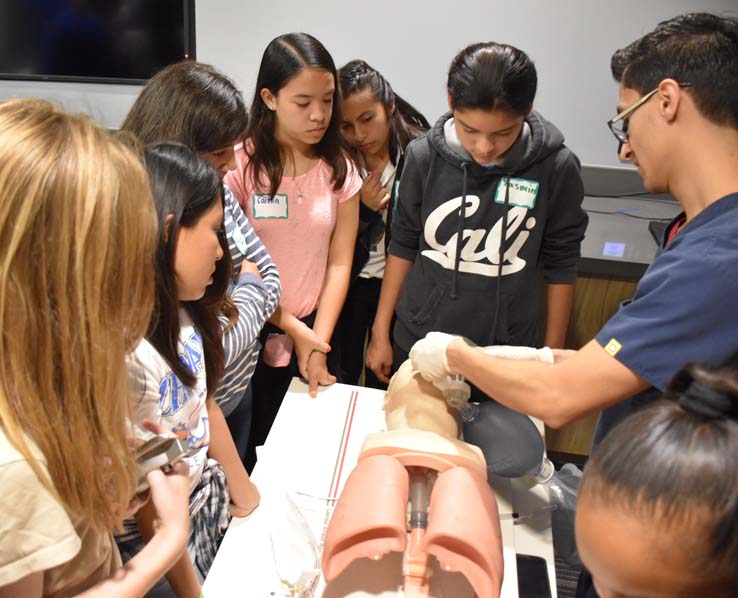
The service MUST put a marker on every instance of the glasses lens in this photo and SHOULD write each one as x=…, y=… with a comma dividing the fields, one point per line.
x=620, y=130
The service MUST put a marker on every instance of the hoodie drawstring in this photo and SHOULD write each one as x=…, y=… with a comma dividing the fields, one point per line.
x=459, y=232
x=500, y=258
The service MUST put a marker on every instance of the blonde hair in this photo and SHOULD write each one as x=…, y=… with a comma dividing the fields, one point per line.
x=77, y=244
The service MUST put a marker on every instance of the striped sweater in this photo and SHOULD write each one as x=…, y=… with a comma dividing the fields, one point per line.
x=256, y=299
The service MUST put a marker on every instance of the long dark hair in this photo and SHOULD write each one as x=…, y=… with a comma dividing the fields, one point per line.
x=677, y=459
x=406, y=123
x=185, y=186
x=489, y=76
x=190, y=103
x=284, y=58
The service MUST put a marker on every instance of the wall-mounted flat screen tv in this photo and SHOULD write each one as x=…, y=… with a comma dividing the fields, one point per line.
x=101, y=41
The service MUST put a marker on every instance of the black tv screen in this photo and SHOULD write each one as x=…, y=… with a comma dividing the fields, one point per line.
x=115, y=41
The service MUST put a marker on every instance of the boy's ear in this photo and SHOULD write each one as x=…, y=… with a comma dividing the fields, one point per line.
x=450, y=102
x=168, y=226
x=670, y=95
x=268, y=98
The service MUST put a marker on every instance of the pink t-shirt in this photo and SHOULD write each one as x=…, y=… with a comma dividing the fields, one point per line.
x=295, y=225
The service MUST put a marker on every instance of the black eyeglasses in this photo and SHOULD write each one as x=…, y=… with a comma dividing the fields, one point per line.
x=619, y=123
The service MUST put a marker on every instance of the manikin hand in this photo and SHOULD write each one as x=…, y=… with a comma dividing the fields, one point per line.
x=428, y=355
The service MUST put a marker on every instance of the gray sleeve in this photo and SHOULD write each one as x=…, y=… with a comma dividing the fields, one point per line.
x=255, y=298
x=566, y=222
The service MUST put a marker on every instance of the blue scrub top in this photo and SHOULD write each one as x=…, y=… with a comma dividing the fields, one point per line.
x=685, y=308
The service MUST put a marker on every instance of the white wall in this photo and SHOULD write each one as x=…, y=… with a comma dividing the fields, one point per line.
x=412, y=43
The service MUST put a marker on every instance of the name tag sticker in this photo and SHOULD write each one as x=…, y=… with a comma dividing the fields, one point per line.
x=523, y=192
x=270, y=206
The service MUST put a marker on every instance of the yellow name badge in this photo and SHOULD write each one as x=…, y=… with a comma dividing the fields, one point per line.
x=612, y=348
x=270, y=206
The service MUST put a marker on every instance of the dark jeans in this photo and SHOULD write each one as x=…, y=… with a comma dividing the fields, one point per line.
x=352, y=329
x=239, y=422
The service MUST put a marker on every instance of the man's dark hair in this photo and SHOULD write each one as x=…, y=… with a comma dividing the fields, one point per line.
x=696, y=48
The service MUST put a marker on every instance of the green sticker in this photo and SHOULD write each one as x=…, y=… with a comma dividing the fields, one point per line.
x=523, y=193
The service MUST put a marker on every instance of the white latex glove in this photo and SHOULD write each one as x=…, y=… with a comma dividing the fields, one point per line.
x=520, y=353
x=428, y=355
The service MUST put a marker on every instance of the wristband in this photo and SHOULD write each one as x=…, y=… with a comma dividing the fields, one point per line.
x=316, y=350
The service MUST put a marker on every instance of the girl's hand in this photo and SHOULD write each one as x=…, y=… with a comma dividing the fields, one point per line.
x=372, y=194
x=379, y=358
x=248, y=267
x=241, y=506
x=139, y=500
x=318, y=373
x=305, y=341
x=170, y=496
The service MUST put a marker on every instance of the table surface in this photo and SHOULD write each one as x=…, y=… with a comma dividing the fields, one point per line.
x=311, y=449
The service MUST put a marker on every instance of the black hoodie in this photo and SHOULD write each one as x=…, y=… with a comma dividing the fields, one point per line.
x=456, y=289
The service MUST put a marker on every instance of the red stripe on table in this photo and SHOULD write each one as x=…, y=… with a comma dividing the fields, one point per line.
x=343, y=446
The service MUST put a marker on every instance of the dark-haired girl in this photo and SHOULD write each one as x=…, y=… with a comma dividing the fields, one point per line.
x=489, y=202
x=177, y=367
x=299, y=188
x=192, y=103
x=657, y=512
x=378, y=124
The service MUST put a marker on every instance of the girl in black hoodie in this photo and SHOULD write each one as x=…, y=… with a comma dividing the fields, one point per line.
x=511, y=171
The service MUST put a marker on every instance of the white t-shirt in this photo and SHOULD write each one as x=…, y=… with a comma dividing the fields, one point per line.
x=374, y=267
x=160, y=396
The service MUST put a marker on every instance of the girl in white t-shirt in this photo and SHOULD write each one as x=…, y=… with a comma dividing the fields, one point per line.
x=299, y=188
x=176, y=369
x=77, y=240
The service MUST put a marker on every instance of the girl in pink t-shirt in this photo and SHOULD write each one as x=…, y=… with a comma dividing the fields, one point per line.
x=299, y=189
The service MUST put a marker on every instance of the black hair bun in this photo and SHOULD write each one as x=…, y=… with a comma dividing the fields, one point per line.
x=706, y=401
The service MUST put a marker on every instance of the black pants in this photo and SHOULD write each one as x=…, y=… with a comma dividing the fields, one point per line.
x=353, y=327
x=585, y=587
x=269, y=385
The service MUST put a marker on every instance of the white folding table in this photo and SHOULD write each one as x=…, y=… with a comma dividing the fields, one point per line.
x=311, y=449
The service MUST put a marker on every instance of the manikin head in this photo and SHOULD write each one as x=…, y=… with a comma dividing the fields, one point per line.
x=412, y=402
